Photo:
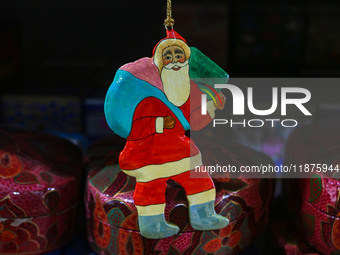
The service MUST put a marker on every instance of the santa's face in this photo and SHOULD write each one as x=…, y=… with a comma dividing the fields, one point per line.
x=173, y=54
x=175, y=75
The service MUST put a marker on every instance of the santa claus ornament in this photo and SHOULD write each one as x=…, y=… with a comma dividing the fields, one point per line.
x=151, y=103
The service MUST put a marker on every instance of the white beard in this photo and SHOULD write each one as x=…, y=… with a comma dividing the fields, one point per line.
x=176, y=84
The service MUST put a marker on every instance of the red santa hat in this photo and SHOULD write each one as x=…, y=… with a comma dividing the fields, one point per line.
x=172, y=39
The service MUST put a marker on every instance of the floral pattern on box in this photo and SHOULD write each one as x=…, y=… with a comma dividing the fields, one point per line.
x=39, y=187
x=112, y=215
x=317, y=207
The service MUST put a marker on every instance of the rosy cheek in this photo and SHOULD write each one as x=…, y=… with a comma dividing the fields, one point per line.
x=166, y=61
x=181, y=60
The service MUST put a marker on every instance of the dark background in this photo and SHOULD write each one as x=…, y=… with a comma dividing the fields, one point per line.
x=75, y=46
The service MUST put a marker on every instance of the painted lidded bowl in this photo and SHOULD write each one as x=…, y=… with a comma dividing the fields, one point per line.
x=315, y=199
x=112, y=215
x=39, y=190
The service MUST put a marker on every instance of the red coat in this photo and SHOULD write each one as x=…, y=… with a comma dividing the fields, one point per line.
x=146, y=147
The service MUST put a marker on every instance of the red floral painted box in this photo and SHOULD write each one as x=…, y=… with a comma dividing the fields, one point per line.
x=316, y=199
x=39, y=187
x=112, y=215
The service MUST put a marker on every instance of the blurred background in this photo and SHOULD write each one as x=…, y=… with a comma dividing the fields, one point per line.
x=58, y=58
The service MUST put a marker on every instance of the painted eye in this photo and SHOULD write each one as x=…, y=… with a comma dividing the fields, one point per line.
x=167, y=57
x=178, y=56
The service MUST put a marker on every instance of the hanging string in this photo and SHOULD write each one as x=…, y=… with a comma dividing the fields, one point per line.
x=169, y=21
